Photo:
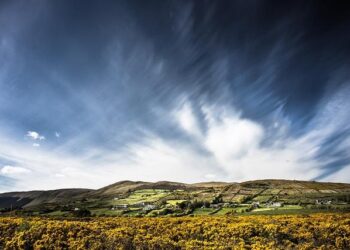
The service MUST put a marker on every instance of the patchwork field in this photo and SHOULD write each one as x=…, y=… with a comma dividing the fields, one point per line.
x=132, y=199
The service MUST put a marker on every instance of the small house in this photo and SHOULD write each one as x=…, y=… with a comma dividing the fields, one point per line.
x=323, y=202
x=276, y=204
x=149, y=207
x=255, y=204
x=142, y=204
x=120, y=206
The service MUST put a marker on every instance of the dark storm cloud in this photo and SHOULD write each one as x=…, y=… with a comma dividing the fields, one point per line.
x=108, y=74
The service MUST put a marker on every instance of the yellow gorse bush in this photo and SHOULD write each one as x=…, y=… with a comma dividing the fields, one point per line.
x=318, y=231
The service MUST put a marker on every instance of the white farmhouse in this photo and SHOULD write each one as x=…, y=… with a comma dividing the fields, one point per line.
x=149, y=207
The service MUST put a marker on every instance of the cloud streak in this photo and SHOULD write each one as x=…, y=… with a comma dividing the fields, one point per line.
x=172, y=91
x=230, y=146
x=13, y=171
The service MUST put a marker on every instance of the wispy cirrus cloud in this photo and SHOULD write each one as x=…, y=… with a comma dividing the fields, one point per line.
x=236, y=144
x=204, y=100
x=229, y=148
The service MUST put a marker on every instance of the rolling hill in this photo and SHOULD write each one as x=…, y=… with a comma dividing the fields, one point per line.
x=37, y=198
x=286, y=191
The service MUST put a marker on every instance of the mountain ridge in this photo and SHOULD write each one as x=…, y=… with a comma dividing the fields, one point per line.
x=232, y=192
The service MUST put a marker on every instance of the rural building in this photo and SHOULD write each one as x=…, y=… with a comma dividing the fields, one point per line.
x=120, y=206
x=142, y=204
x=323, y=202
x=149, y=207
x=256, y=204
x=275, y=204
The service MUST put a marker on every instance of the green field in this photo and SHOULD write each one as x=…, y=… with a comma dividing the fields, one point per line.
x=104, y=211
x=145, y=195
x=263, y=198
x=203, y=211
x=174, y=202
x=231, y=210
x=57, y=213
x=139, y=198
x=287, y=207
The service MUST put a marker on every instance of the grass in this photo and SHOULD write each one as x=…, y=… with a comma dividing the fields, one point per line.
x=151, y=191
x=282, y=212
x=145, y=195
x=174, y=202
x=271, y=191
x=104, y=211
x=286, y=211
x=262, y=198
x=203, y=211
x=58, y=213
x=225, y=210
x=286, y=207
x=133, y=213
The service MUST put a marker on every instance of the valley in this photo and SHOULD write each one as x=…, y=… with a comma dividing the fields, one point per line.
x=128, y=198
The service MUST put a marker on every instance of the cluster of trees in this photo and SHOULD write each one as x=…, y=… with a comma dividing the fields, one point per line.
x=199, y=203
x=193, y=204
x=83, y=212
x=217, y=199
x=318, y=231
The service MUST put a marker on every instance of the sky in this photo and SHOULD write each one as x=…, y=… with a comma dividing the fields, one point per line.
x=94, y=92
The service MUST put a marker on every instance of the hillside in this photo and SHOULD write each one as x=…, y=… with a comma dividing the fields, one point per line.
x=36, y=198
x=259, y=190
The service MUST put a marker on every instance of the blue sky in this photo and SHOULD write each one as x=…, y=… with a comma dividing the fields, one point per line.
x=96, y=92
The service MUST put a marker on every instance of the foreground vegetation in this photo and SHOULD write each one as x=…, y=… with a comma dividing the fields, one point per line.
x=316, y=231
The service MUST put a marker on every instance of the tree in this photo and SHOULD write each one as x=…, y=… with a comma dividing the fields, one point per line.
x=182, y=205
x=82, y=213
x=206, y=204
x=217, y=199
